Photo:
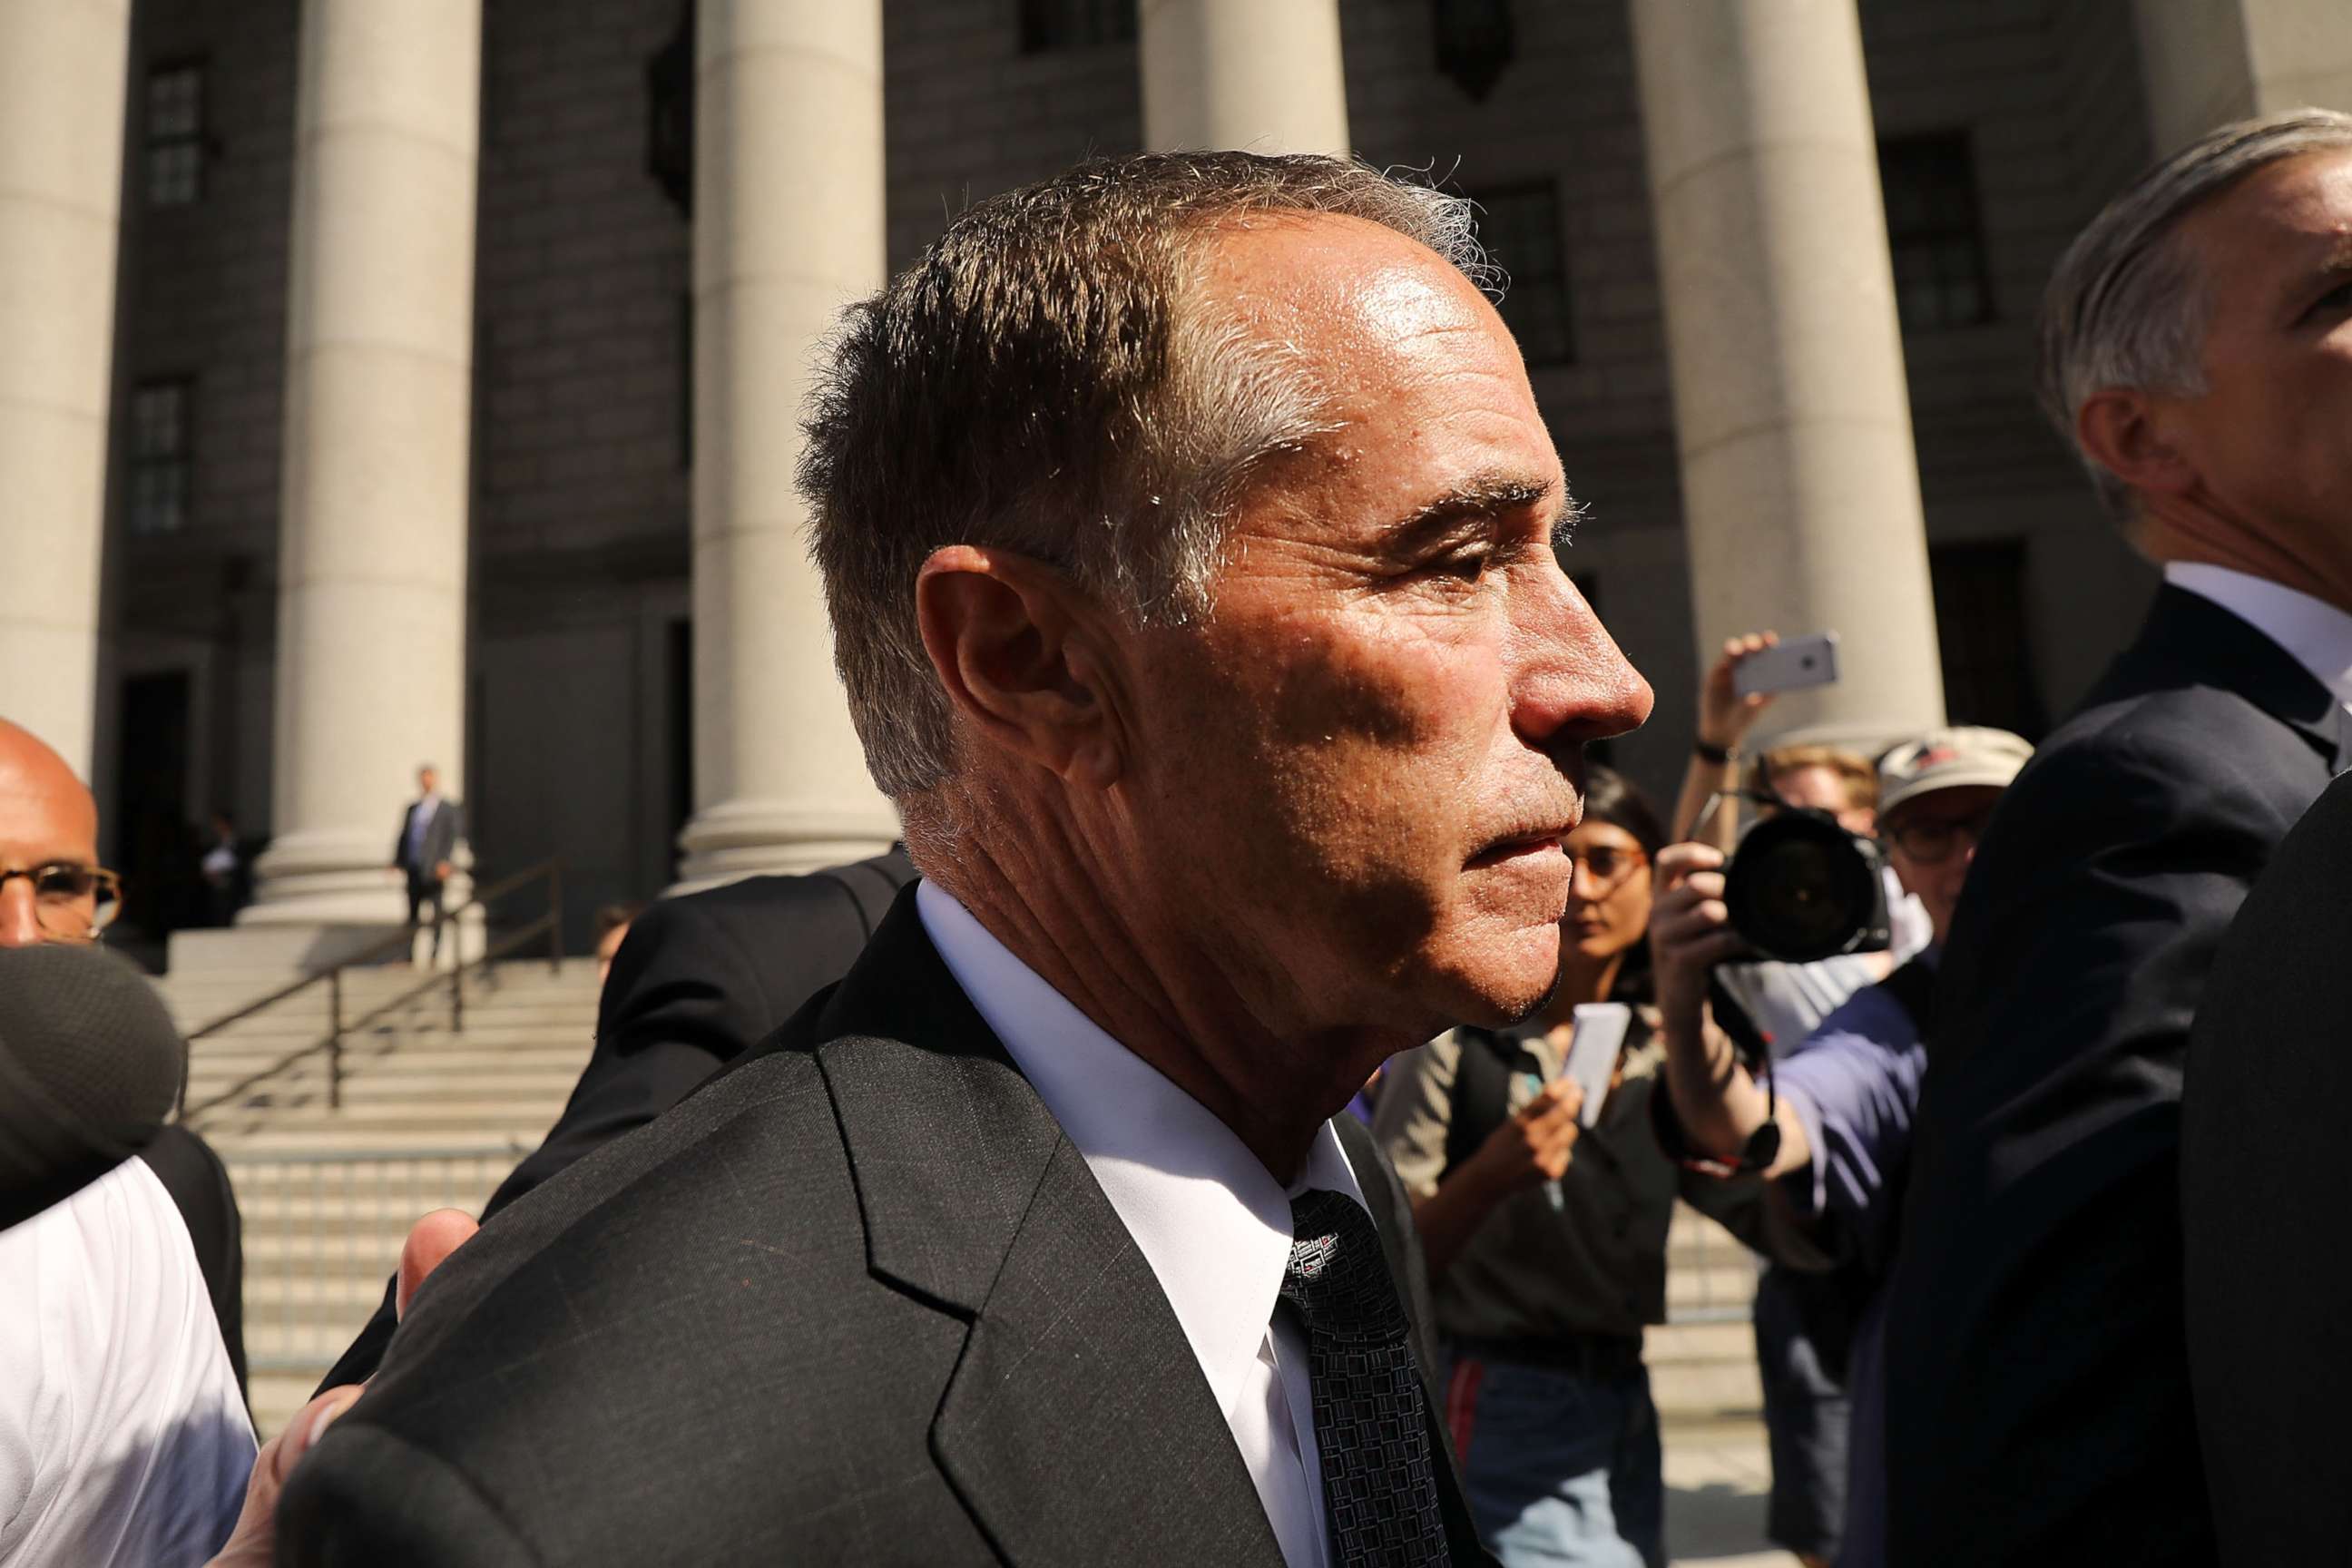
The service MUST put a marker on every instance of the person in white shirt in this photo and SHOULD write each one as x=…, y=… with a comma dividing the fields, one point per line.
x=123, y=1435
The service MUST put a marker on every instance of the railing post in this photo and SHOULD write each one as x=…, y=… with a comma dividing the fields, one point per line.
x=335, y=1039
x=457, y=992
x=555, y=917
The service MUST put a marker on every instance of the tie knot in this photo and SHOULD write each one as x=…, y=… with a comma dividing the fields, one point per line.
x=1338, y=1278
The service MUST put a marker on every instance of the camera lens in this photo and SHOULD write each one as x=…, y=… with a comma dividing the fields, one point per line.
x=1801, y=887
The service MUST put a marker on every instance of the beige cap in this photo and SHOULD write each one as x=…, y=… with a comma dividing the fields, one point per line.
x=1949, y=759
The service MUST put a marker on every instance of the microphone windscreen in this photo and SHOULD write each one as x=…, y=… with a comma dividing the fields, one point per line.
x=90, y=1065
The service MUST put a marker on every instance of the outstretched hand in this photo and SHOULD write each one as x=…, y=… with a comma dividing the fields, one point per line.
x=1725, y=716
x=254, y=1542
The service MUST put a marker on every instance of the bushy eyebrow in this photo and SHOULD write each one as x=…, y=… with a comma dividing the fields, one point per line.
x=2328, y=274
x=1485, y=497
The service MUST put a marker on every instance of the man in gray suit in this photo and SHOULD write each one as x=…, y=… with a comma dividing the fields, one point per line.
x=427, y=843
x=1188, y=532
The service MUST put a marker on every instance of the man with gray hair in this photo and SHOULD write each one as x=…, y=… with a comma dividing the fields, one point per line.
x=2198, y=351
x=1189, y=530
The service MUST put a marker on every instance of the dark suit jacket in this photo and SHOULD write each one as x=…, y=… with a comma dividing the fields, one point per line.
x=2038, y=1393
x=2262, y=1206
x=858, y=1301
x=441, y=835
x=698, y=981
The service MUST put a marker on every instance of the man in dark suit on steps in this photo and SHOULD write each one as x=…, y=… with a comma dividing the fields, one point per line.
x=2196, y=349
x=1188, y=528
x=426, y=849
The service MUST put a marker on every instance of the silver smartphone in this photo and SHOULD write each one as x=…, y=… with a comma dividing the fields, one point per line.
x=1790, y=665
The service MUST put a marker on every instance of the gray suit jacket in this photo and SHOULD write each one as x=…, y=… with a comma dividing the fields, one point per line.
x=856, y=1301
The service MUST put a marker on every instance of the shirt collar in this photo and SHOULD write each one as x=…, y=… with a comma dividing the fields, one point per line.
x=2316, y=633
x=1210, y=1220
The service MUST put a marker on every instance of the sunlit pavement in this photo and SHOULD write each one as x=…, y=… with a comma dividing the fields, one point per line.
x=1717, y=1474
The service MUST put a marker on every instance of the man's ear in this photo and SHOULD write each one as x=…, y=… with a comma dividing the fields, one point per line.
x=1018, y=646
x=2126, y=431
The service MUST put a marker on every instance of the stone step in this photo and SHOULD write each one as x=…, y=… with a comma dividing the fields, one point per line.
x=481, y=1083
x=1702, y=1370
x=395, y=1126
x=374, y=1045
x=427, y=1050
x=546, y=1017
x=197, y=1009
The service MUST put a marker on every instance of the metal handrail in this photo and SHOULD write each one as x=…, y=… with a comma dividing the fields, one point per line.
x=332, y=1043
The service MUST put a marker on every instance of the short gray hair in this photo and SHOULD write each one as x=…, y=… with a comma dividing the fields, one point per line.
x=2124, y=306
x=1043, y=380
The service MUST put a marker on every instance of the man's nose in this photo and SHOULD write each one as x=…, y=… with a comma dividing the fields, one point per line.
x=1571, y=680
x=19, y=923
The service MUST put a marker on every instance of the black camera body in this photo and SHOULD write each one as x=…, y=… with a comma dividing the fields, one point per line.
x=1800, y=889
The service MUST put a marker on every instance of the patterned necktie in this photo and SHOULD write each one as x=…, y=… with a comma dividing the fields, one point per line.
x=1380, y=1484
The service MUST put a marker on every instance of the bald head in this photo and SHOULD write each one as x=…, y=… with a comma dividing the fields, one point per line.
x=47, y=815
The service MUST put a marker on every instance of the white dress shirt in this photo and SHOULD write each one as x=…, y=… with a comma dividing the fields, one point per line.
x=2318, y=634
x=1211, y=1221
x=122, y=1437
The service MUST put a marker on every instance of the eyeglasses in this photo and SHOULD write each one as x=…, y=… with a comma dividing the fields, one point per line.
x=71, y=901
x=1609, y=866
x=1934, y=841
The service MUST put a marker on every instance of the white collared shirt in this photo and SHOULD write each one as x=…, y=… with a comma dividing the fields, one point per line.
x=123, y=1435
x=2318, y=634
x=1211, y=1221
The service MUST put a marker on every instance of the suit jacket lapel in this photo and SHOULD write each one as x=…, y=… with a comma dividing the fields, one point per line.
x=2190, y=639
x=1076, y=1426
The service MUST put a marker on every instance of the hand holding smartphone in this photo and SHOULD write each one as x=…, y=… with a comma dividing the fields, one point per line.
x=1601, y=1029
x=1791, y=665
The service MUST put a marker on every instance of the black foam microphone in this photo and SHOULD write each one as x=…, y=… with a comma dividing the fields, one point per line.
x=90, y=1065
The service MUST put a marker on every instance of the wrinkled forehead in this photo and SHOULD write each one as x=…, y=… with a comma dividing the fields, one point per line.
x=1350, y=296
x=1418, y=378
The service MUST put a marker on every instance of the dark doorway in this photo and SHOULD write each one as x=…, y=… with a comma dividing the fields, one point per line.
x=156, y=851
x=1988, y=675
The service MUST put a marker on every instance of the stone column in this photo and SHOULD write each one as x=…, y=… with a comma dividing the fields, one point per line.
x=379, y=351
x=1263, y=76
x=1800, y=491
x=2206, y=62
x=62, y=69
x=788, y=228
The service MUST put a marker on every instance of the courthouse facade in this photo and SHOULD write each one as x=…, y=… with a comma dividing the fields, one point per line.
x=395, y=381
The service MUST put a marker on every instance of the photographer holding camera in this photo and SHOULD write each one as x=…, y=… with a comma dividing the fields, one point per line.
x=1804, y=1322
x=1831, y=1124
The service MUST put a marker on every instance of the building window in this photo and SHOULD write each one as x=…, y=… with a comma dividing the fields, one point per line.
x=160, y=462
x=1520, y=227
x=1936, y=230
x=1049, y=24
x=175, y=135
x=1980, y=623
